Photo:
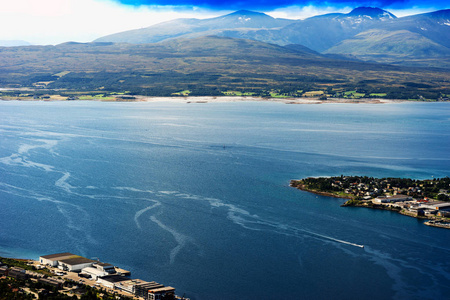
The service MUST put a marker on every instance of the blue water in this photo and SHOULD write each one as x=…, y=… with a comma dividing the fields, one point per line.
x=196, y=196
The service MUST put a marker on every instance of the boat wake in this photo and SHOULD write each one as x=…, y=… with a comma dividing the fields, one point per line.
x=333, y=239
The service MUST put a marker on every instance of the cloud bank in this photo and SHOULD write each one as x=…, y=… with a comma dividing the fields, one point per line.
x=58, y=21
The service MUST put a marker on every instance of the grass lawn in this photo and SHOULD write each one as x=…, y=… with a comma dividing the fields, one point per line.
x=353, y=94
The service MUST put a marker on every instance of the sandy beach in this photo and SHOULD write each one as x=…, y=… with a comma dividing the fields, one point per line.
x=222, y=99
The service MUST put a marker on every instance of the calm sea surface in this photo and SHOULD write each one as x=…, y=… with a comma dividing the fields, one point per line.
x=196, y=196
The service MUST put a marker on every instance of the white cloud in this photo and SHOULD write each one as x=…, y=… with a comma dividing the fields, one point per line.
x=303, y=12
x=57, y=21
x=410, y=11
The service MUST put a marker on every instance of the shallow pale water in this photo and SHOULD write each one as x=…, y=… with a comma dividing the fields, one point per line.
x=196, y=196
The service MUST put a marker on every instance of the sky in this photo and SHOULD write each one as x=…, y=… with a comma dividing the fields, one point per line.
x=56, y=21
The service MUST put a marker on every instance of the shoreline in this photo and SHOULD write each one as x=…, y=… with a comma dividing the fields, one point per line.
x=326, y=194
x=227, y=99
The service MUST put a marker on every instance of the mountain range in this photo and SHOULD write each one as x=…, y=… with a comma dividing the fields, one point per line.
x=13, y=43
x=365, y=33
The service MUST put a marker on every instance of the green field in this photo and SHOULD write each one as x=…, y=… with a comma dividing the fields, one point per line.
x=380, y=95
x=353, y=95
x=182, y=93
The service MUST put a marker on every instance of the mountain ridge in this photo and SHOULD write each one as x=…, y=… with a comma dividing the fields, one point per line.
x=321, y=33
x=180, y=27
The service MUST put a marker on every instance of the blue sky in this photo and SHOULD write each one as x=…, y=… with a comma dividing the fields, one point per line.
x=58, y=21
x=270, y=5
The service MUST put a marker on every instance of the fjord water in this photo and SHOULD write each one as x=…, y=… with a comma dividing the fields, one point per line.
x=196, y=196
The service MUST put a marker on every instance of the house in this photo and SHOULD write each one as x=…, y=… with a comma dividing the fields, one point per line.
x=52, y=282
x=17, y=273
x=4, y=270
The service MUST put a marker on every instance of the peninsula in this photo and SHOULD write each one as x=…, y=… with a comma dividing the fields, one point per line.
x=426, y=199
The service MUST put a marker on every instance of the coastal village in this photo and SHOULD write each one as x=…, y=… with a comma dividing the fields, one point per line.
x=70, y=276
x=427, y=199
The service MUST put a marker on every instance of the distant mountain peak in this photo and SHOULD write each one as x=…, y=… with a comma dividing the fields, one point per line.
x=372, y=12
x=247, y=13
x=13, y=43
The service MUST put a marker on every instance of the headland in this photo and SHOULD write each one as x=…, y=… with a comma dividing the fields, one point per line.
x=423, y=199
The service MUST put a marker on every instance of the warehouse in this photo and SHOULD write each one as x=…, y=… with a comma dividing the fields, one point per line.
x=390, y=199
x=440, y=206
x=52, y=259
x=66, y=261
x=75, y=263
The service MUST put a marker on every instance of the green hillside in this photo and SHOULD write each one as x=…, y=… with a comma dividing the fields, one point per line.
x=209, y=66
x=402, y=42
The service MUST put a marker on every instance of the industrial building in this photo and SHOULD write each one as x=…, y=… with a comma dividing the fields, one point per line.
x=111, y=281
x=389, y=199
x=439, y=206
x=93, y=273
x=75, y=264
x=152, y=290
x=105, y=267
x=52, y=259
x=107, y=275
x=66, y=261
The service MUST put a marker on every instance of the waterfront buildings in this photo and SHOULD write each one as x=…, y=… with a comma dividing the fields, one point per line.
x=107, y=275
